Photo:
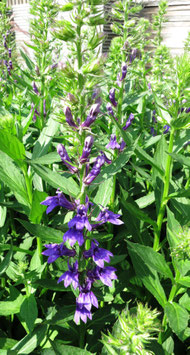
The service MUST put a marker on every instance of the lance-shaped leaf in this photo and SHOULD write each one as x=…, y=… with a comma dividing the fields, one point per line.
x=29, y=311
x=30, y=341
x=178, y=318
x=43, y=142
x=68, y=186
x=148, y=276
x=152, y=259
x=47, y=234
x=13, y=178
x=11, y=145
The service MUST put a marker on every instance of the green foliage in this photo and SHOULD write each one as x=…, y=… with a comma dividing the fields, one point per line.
x=148, y=183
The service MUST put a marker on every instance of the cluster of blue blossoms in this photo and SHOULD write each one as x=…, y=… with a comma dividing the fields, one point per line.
x=86, y=260
x=81, y=275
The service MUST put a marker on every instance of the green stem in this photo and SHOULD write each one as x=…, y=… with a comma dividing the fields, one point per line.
x=165, y=193
x=172, y=295
x=82, y=335
x=29, y=191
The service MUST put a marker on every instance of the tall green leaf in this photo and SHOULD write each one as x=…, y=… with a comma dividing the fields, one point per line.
x=6, y=261
x=30, y=341
x=47, y=234
x=104, y=192
x=37, y=209
x=43, y=142
x=11, y=145
x=148, y=276
x=29, y=311
x=13, y=178
x=178, y=318
x=152, y=259
x=68, y=186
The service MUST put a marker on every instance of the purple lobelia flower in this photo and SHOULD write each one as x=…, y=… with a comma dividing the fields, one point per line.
x=65, y=158
x=86, y=296
x=153, y=116
x=187, y=110
x=105, y=275
x=87, y=149
x=109, y=109
x=80, y=221
x=133, y=55
x=94, y=111
x=9, y=52
x=69, y=117
x=122, y=145
x=112, y=97
x=113, y=143
x=95, y=171
x=35, y=89
x=10, y=64
x=129, y=121
x=73, y=235
x=152, y=131
x=108, y=216
x=99, y=255
x=58, y=200
x=54, y=251
x=44, y=108
x=123, y=71
x=71, y=276
x=82, y=313
x=166, y=128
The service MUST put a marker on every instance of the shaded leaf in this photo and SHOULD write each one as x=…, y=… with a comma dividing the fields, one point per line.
x=152, y=259
x=31, y=341
x=29, y=311
x=148, y=276
x=47, y=234
x=6, y=261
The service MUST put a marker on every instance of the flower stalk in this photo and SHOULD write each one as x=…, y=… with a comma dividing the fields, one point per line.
x=164, y=199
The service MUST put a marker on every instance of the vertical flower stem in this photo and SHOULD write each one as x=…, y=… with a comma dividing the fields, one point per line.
x=29, y=191
x=164, y=199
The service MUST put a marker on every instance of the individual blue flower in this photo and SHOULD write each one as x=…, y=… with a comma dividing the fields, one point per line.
x=86, y=296
x=65, y=158
x=109, y=109
x=82, y=313
x=106, y=275
x=99, y=255
x=108, y=216
x=113, y=144
x=187, y=110
x=152, y=131
x=73, y=235
x=129, y=121
x=35, y=89
x=54, y=251
x=71, y=276
x=94, y=111
x=69, y=117
x=133, y=55
x=87, y=149
x=95, y=171
x=80, y=221
x=122, y=145
x=58, y=200
x=112, y=97
x=166, y=128
x=123, y=71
